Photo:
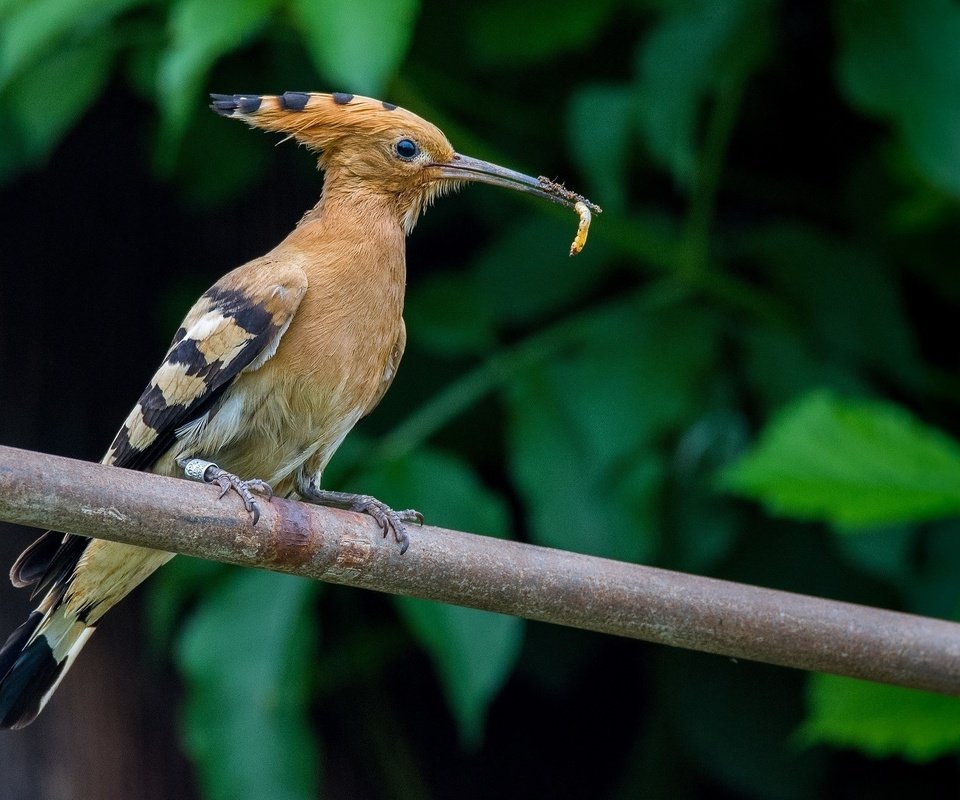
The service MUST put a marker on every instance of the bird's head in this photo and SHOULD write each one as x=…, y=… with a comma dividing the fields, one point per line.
x=376, y=147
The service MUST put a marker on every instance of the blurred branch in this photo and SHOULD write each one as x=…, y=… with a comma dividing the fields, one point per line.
x=538, y=583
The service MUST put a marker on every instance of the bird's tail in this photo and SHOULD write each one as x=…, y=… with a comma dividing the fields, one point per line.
x=35, y=658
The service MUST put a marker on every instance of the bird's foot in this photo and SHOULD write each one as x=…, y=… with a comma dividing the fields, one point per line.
x=207, y=472
x=389, y=520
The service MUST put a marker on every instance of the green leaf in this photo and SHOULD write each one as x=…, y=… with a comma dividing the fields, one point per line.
x=685, y=59
x=505, y=33
x=47, y=100
x=33, y=31
x=900, y=62
x=572, y=502
x=474, y=653
x=851, y=463
x=599, y=126
x=247, y=659
x=583, y=429
x=357, y=45
x=200, y=33
x=643, y=366
x=879, y=720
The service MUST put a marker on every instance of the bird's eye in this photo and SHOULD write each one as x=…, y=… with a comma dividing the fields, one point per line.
x=407, y=149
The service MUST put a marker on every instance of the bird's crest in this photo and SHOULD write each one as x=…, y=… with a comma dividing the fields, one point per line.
x=318, y=119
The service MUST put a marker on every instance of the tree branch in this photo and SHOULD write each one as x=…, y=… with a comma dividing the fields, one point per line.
x=535, y=582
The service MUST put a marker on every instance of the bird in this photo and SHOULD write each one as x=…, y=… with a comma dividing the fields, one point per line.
x=271, y=367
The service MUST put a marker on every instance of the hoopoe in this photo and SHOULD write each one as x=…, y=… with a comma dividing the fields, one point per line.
x=272, y=366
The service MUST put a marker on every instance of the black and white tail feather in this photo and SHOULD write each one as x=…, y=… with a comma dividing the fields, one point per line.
x=36, y=656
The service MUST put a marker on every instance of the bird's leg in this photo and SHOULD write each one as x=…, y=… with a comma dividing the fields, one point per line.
x=207, y=472
x=390, y=521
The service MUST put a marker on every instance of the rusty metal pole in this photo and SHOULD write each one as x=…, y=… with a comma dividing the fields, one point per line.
x=538, y=583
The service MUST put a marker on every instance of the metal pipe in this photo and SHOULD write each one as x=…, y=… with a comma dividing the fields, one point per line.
x=538, y=583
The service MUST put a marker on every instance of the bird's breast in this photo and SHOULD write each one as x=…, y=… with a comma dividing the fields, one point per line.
x=327, y=372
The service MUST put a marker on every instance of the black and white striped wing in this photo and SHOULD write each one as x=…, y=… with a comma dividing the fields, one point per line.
x=227, y=331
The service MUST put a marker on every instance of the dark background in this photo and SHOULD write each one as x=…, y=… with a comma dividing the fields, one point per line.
x=780, y=185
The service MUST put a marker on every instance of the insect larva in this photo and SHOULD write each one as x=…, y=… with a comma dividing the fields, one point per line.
x=582, y=229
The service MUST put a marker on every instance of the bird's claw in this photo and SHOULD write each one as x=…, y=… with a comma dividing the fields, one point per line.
x=411, y=515
x=390, y=521
x=245, y=489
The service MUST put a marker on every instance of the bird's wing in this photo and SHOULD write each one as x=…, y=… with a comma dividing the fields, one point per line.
x=229, y=330
x=235, y=326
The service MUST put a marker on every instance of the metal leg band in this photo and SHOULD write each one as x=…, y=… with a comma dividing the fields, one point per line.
x=196, y=469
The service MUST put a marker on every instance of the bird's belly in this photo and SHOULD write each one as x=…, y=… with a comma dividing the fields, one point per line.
x=267, y=427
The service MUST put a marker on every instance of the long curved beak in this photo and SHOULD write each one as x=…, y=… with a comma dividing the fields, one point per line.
x=462, y=169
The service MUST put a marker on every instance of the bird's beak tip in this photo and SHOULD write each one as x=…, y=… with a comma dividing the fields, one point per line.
x=465, y=168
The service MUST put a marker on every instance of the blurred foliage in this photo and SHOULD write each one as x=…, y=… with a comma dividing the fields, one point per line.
x=775, y=262
x=881, y=720
x=852, y=463
x=245, y=714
